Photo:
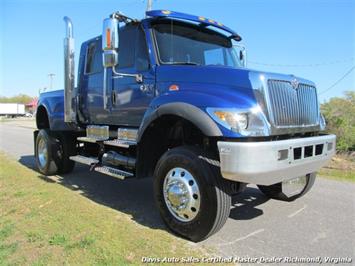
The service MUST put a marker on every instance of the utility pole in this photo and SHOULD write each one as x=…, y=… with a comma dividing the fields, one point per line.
x=149, y=5
x=51, y=76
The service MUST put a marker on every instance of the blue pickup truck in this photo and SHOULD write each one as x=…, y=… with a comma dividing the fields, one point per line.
x=170, y=96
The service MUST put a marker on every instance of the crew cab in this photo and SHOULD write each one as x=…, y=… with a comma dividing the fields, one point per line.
x=170, y=97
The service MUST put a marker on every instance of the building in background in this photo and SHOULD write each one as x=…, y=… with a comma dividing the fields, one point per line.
x=32, y=106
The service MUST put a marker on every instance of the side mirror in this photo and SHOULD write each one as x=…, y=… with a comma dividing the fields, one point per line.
x=110, y=42
x=241, y=54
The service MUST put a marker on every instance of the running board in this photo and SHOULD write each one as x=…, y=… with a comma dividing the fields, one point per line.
x=120, y=143
x=87, y=139
x=107, y=170
x=84, y=160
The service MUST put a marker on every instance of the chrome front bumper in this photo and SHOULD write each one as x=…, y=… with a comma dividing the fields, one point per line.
x=270, y=162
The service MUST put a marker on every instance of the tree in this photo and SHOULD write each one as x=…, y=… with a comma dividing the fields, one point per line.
x=21, y=98
x=339, y=113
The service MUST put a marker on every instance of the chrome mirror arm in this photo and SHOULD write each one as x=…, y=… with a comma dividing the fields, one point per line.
x=138, y=77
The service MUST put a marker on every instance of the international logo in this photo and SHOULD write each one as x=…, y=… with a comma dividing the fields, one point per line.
x=294, y=83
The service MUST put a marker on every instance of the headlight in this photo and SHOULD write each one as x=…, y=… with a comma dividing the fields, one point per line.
x=249, y=122
x=322, y=122
x=235, y=121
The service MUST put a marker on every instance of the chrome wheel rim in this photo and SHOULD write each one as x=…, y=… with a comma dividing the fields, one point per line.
x=181, y=194
x=42, y=152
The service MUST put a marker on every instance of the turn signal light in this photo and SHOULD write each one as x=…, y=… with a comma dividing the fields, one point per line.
x=108, y=38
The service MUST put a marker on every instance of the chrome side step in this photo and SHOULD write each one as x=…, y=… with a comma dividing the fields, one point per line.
x=127, y=134
x=112, y=142
x=98, y=132
x=120, y=143
x=87, y=139
x=84, y=160
x=107, y=170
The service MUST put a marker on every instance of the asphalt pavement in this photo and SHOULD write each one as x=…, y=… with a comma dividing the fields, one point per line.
x=320, y=224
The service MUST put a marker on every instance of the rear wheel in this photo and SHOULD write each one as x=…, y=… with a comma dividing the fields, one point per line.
x=192, y=198
x=52, y=153
x=67, y=149
x=285, y=191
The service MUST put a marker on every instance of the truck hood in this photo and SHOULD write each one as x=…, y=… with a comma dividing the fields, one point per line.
x=227, y=86
x=207, y=86
x=219, y=75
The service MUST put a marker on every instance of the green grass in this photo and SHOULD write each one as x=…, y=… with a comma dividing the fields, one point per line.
x=336, y=174
x=341, y=168
x=43, y=223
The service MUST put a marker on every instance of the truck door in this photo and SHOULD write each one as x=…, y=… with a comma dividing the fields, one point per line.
x=129, y=98
x=91, y=93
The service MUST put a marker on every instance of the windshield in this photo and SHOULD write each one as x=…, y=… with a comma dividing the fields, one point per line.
x=182, y=43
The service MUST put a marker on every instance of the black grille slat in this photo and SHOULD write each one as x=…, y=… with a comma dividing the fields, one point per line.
x=292, y=107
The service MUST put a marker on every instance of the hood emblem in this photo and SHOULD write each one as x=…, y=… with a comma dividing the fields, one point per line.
x=294, y=83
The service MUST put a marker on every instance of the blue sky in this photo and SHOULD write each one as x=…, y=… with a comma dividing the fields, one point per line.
x=302, y=33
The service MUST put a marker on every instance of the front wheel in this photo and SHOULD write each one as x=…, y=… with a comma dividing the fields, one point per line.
x=290, y=190
x=192, y=197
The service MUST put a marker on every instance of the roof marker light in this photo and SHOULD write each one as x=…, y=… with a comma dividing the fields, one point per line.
x=202, y=18
x=211, y=21
x=166, y=12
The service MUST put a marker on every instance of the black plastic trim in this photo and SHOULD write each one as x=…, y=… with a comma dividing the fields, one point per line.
x=186, y=111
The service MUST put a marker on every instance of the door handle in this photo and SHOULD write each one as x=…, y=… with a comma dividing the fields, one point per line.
x=113, y=97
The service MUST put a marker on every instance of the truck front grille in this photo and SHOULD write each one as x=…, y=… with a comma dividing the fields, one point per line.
x=291, y=106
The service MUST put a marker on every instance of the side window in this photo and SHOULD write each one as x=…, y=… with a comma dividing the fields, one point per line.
x=214, y=57
x=93, y=58
x=229, y=57
x=126, y=50
x=142, y=59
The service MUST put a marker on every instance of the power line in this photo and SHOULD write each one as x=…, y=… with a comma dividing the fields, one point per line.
x=304, y=65
x=338, y=81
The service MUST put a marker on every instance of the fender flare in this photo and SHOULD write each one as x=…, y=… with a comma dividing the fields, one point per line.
x=44, y=106
x=184, y=110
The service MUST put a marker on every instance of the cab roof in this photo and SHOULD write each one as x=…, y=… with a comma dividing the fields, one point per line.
x=202, y=20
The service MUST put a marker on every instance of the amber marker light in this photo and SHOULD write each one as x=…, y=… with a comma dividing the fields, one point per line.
x=108, y=38
x=221, y=115
x=174, y=87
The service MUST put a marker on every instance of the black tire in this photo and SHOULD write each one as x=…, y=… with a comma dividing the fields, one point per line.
x=275, y=191
x=68, y=148
x=45, y=141
x=58, y=149
x=215, y=201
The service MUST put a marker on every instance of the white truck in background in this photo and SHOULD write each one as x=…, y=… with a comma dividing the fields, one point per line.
x=12, y=109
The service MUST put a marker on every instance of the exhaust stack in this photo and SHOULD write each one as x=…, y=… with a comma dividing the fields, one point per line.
x=69, y=76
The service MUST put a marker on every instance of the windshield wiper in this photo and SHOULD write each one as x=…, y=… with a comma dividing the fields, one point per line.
x=182, y=63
